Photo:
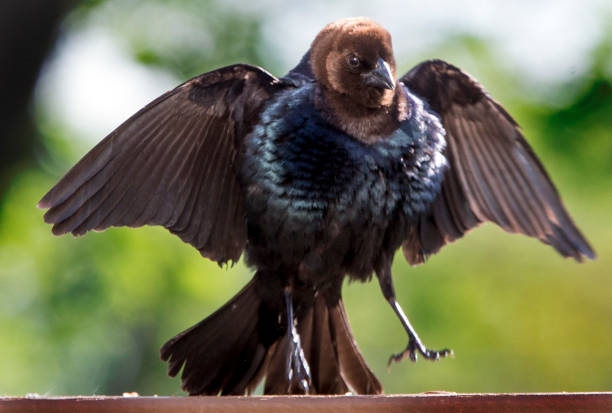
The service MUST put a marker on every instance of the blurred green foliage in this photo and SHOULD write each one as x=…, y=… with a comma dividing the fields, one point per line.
x=88, y=315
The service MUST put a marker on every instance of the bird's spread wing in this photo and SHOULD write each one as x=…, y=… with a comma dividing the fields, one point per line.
x=174, y=163
x=493, y=174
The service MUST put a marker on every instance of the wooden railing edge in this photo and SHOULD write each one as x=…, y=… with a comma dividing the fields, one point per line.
x=424, y=402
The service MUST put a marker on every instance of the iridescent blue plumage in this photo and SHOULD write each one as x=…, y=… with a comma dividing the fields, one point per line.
x=317, y=195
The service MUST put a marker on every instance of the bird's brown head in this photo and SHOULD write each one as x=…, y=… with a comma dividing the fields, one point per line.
x=354, y=58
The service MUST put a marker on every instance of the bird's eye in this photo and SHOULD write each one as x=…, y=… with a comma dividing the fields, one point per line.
x=353, y=61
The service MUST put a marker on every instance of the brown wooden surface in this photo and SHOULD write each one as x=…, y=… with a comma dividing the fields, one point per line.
x=439, y=402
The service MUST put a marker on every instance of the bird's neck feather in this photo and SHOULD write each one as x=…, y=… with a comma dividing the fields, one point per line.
x=366, y=124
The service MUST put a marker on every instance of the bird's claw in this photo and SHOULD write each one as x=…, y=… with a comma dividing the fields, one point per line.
x=413, y=348
x=299, y=371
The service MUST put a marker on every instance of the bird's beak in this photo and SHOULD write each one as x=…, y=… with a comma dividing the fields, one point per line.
x=381, y=77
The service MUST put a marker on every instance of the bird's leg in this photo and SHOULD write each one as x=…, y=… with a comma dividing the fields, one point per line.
x=414, y=342
x=298, y=371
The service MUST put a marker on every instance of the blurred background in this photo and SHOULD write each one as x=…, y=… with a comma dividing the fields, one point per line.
x=87, y=316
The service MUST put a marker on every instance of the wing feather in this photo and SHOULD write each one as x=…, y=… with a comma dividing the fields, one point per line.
x=175, y=163
x=493, y=174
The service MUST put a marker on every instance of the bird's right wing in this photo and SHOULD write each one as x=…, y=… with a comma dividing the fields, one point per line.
x=493, y=174
x=174, y=163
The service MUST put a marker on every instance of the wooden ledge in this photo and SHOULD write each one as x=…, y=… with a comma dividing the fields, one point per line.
x=429, y=402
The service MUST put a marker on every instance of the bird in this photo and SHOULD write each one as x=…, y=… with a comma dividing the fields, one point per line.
x=315, y=177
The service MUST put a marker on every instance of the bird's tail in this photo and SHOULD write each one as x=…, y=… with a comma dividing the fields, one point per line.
x=233, y=349
x=222, y=353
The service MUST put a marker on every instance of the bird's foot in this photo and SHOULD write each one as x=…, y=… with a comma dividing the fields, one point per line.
x=414, y=342
x=416, y=346
x=298, y=371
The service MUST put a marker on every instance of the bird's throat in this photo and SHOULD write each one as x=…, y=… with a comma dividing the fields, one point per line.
x=368, y=122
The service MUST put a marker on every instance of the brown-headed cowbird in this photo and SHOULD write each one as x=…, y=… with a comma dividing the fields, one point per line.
x=318, y=175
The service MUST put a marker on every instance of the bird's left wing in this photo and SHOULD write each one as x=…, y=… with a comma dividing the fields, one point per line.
x=493, y=174
x=174, y=164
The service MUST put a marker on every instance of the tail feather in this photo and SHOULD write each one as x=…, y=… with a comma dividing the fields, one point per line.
x=226, y=353
x=323, y=355
x=275, y=370
x=353, y=367
x=222, y=353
